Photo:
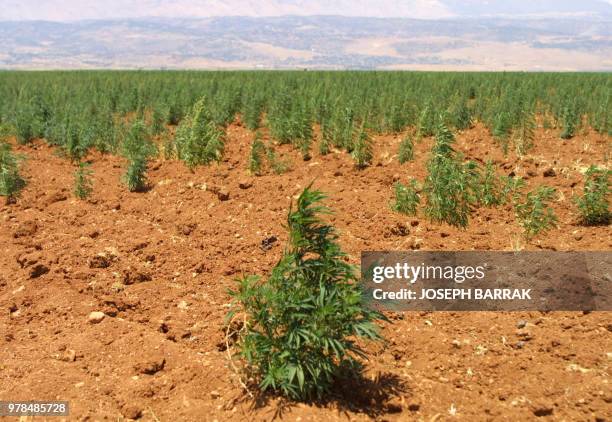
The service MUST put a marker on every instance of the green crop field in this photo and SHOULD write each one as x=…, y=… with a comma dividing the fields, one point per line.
x=87, y=108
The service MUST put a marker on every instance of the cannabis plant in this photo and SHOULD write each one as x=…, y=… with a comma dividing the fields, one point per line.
x=11, y=182
x=5, y=131
x=301, y=131
x=406, y=150
x=157, y=121
x=252, y=113
x=83, y=185
x=168, y=144
x=198, y=140
x=461, y=116
x=344, y=129
x=256, y=155
x=302, y=323
x=74, y=144
x=407, y=198
x=594, y=204
x=325, y=139
x=490, y=187
x=524, y=133
x=278, y=166
x=448, y=186
x=501, y=130
x=173, y=114
x=362, y=149
x=570, y=121
x=137, y=148
x=535, y=214
x=427, y=122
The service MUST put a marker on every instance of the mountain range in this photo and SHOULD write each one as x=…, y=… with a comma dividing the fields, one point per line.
x=554, y=35
x=71, y=10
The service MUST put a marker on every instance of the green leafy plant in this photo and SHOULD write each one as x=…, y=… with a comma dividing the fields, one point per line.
x=252, y=113
x=302, y=134
x=324, y=143
x=427, y=122
x=407, y=198
x=406, y=150
x=511, y=188
x=83, y=185
x=344, y=129
x=173, y=114
x=137, y=148
x=569, y=120
x=74, y=144
x=594, y=204
x=11, y=182
x=5, y=131
x=524, y=134
x=460, y=115
x=168, y=145
x=534, y=213
x=490, y=187
x=362, y=149
x=278, y=165
x=256, y=155
x=157, y=121
x=448, y=187
x=198, y=140
x=302, y=322
x=502, y=127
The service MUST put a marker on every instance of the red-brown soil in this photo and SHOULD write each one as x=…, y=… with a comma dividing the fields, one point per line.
x=159, y=265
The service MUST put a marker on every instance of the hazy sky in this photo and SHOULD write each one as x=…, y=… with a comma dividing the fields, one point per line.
x=68, y=10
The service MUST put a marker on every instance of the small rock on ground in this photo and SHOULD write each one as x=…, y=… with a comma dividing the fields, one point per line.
x=96, y=317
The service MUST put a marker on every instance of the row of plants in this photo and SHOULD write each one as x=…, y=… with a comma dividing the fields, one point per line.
x=82, y=110
x=454, y=187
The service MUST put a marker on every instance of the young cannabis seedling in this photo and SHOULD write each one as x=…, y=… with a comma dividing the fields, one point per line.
x=157, y=121
x=362, y=149
x=5, y=131
x=137, y=148
x=198, y=140
x=524, y=134
x=448, y=187
x=256, y=155
x=594, y=204
x=511, y=188
x=168, y=146
x=461, y=116
x=406, y=150
x=407, y=198
x=501, y=130
x=325, y=140
x=570, y=121
x=74, y=144
x=11, y=182
x=535, y=214
x=83, y=185
x=302, y=322
x=490, y=189
x=252, y=113
x=278, y=165
x=427, y=122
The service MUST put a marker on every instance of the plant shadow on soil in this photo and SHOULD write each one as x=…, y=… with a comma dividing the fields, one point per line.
x=372, y=396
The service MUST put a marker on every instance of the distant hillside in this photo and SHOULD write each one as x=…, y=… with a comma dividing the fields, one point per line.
x=328, y=42
x=70, y=10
